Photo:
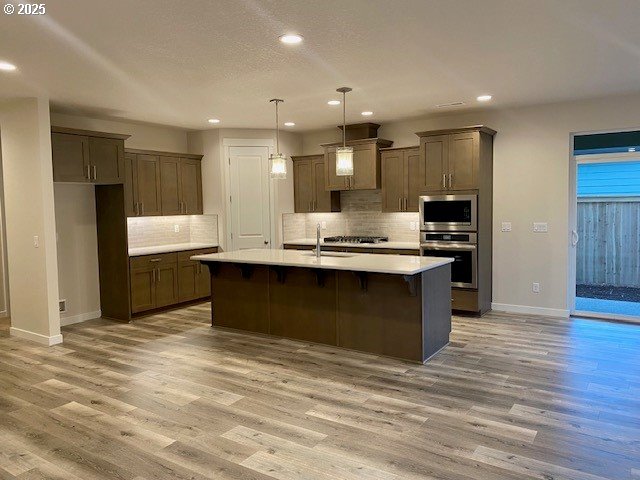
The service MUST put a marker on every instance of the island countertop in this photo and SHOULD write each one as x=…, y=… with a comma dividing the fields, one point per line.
x=355, y=262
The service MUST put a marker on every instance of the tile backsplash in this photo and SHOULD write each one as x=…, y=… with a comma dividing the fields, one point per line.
x=155, y=231
x=361, y=215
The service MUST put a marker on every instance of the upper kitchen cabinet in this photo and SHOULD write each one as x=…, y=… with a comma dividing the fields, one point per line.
x=401, y=184
x=309, y=190
x=162, y=183
x=83, y=156
x=366, y=165
x=451, y=160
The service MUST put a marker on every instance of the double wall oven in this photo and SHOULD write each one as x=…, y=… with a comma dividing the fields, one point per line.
x=449, y=228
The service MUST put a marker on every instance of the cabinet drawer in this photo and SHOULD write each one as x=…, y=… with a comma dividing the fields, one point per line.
x=186, y=255
x=147, y=261
x=465, y=300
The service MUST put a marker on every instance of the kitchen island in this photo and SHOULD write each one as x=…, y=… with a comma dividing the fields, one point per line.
x=392, y=305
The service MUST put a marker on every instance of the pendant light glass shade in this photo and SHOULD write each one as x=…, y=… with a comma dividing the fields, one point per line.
x=278, y=164
x=277, y=161
x=344, y=161
x=344, y=154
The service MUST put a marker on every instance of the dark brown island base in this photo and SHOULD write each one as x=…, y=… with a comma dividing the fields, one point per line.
x=392, y=305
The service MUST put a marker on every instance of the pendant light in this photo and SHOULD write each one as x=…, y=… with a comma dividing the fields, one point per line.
x=278, y=161
x=344, y=154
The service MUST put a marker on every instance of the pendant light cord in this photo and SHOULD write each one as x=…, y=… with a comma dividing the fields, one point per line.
x=344, y=119
x=277, y=131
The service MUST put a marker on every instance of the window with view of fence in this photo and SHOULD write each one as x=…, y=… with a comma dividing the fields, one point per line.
x=608, y=252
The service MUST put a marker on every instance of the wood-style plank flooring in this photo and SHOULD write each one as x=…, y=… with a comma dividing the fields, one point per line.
x=167, y=397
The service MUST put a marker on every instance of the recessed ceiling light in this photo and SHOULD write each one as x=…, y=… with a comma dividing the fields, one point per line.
x=367, y=114
x=7, y=67
x=333, y=102
x=289, y=124
x=484, y=98
x=213, y=120
x=291, y=38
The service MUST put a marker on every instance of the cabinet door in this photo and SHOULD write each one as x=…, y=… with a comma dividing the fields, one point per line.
x=166, y=284
x=106, y=156
x=393, y=180
x=143, y=289
x=148, y=173
x=170, y=188
x=130, y=185
x=434, y=152
x=333, y=182
x=204, y=282
x=366, y=168
x=70, y=154
x=303, y=186
x=188, y=278
x=413, y=183
x=324, y=201
x=191, y=185
x=463, y=161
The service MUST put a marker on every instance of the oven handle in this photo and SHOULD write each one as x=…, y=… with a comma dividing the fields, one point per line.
x=449, y=246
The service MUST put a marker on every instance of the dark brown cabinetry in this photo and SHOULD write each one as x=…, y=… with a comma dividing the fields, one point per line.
x=366, y=165
x=167, y=279
x=461, y=160
x=309, y=190
x=451, y=158
x=162, y=183
x=401, y=184
x=81, y=156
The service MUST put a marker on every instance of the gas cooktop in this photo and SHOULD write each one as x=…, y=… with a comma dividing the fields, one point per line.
x=355, y=239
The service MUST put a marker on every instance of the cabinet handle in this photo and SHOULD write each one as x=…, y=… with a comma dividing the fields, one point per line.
x=444, y=180
x=153, y=276
x=315, y=205
x=95, y=172
x=404, y=206
x=451, y=180
x=158, y=270
x=155, y=260
x=141, y=208
x=88, y=172
x=399, y=203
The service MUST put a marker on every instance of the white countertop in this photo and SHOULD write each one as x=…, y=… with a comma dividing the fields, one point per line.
x=174, y=247
x=357, y=262
x=392, y=245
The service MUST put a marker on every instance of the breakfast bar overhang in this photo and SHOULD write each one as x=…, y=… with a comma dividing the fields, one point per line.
x=391, y=305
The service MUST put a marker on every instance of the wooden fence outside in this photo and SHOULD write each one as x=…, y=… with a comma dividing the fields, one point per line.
x=608, y=252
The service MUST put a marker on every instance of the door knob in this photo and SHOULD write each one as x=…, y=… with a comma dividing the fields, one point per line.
x=266, y=242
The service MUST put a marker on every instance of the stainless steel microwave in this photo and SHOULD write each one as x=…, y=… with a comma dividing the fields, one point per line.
x=449, y=213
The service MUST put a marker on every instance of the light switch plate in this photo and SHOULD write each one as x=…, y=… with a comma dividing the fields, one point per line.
x=176, y=228
x=506, y=226
x=535, y=287
x=540, y=227
x=323, y=225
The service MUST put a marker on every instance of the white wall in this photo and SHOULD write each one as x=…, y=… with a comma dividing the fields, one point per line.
x=531, y=183
x=209, y=143
x=76, y=218
x=28, y=190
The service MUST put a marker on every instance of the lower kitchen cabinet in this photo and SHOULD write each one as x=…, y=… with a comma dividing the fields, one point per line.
x=167, y=279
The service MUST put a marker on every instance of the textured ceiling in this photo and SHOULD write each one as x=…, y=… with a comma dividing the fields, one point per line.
x=181, y=62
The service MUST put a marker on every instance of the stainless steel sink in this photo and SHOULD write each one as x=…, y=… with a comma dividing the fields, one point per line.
x=329, y=254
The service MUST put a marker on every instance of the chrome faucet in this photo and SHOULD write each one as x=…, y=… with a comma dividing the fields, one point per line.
x=318, y=254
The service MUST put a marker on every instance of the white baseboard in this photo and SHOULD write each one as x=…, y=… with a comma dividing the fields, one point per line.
x=83, y=317
x=527, y=310
x=35, y=337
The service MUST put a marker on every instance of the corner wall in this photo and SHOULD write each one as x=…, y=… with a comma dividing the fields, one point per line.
x=531, y=184
x=31, y=242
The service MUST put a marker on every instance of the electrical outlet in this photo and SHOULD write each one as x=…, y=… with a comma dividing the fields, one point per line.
x=535, y=287
x=412, y=226
x=176, y=228
x=62, y=305
x=506, y=226
x=540, y=227
x=323, y=225
x=36, y=241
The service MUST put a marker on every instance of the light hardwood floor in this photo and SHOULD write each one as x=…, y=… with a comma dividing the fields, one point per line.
x=512, y=397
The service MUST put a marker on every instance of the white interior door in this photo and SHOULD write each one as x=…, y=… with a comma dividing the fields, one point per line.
x=250, y=197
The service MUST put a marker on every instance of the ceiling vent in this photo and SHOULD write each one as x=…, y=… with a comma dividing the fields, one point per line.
x=448, y=105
